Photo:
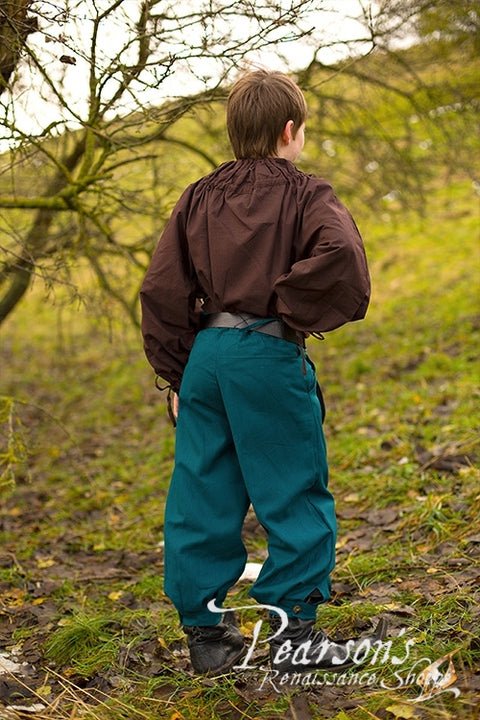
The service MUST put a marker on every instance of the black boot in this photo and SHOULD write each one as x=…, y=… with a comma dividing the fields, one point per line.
x=301, y=648
x=214, y=648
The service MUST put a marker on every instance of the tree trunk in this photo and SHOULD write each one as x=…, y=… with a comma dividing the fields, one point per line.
x=19, y=275
x=15, y=26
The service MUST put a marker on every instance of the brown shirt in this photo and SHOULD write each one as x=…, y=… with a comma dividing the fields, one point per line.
x=256, y=236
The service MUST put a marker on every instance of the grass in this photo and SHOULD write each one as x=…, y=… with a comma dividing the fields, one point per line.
x=88, y=451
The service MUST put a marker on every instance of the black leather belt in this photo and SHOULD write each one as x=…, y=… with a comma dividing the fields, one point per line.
x=243, y=321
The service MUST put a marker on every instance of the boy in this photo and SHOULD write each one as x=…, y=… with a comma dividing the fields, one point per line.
x=255, y=257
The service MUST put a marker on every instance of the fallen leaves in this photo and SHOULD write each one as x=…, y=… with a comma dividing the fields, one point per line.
x=402, y=586
x=299, y=709
x=12, y=597
x=402, y=710
x=433, y=681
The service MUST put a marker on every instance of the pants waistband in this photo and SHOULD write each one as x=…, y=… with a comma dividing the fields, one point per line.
x=244, y=321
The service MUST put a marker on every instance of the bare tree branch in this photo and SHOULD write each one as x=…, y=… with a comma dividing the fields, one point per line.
x=113, y=105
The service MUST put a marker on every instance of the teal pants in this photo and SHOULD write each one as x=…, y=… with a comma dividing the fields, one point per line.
x=249, y=431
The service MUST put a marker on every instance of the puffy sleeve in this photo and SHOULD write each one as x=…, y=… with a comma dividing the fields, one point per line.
x=170, y=315
x=328, y=284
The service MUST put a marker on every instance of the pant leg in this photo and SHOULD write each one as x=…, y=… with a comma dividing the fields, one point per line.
x=276, y=423
x=207, y=500
x=249, y=428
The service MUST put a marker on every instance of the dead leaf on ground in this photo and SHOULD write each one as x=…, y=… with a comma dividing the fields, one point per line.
x=433, y=680
x=403, y=711
x=386, y=516
x=443, y=460
x=298, y=709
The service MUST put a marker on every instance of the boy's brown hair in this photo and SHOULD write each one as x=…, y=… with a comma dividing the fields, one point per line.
x=259, y=106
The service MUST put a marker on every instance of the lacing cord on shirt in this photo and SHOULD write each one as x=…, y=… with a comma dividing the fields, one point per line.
x=170, y=389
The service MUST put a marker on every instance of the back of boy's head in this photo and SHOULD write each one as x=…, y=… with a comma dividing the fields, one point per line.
x=259, y=106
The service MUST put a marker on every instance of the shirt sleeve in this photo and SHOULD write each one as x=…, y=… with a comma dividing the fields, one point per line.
x=170, y=315
x=329, y=283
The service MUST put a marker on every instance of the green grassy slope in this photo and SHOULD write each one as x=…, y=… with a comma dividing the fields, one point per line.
x=86, y=453
x=92, y=451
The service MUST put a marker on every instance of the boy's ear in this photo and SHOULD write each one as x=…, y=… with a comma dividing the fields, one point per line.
x=287, y=133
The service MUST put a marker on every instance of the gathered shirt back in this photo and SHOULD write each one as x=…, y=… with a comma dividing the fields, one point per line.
x=255, y=236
